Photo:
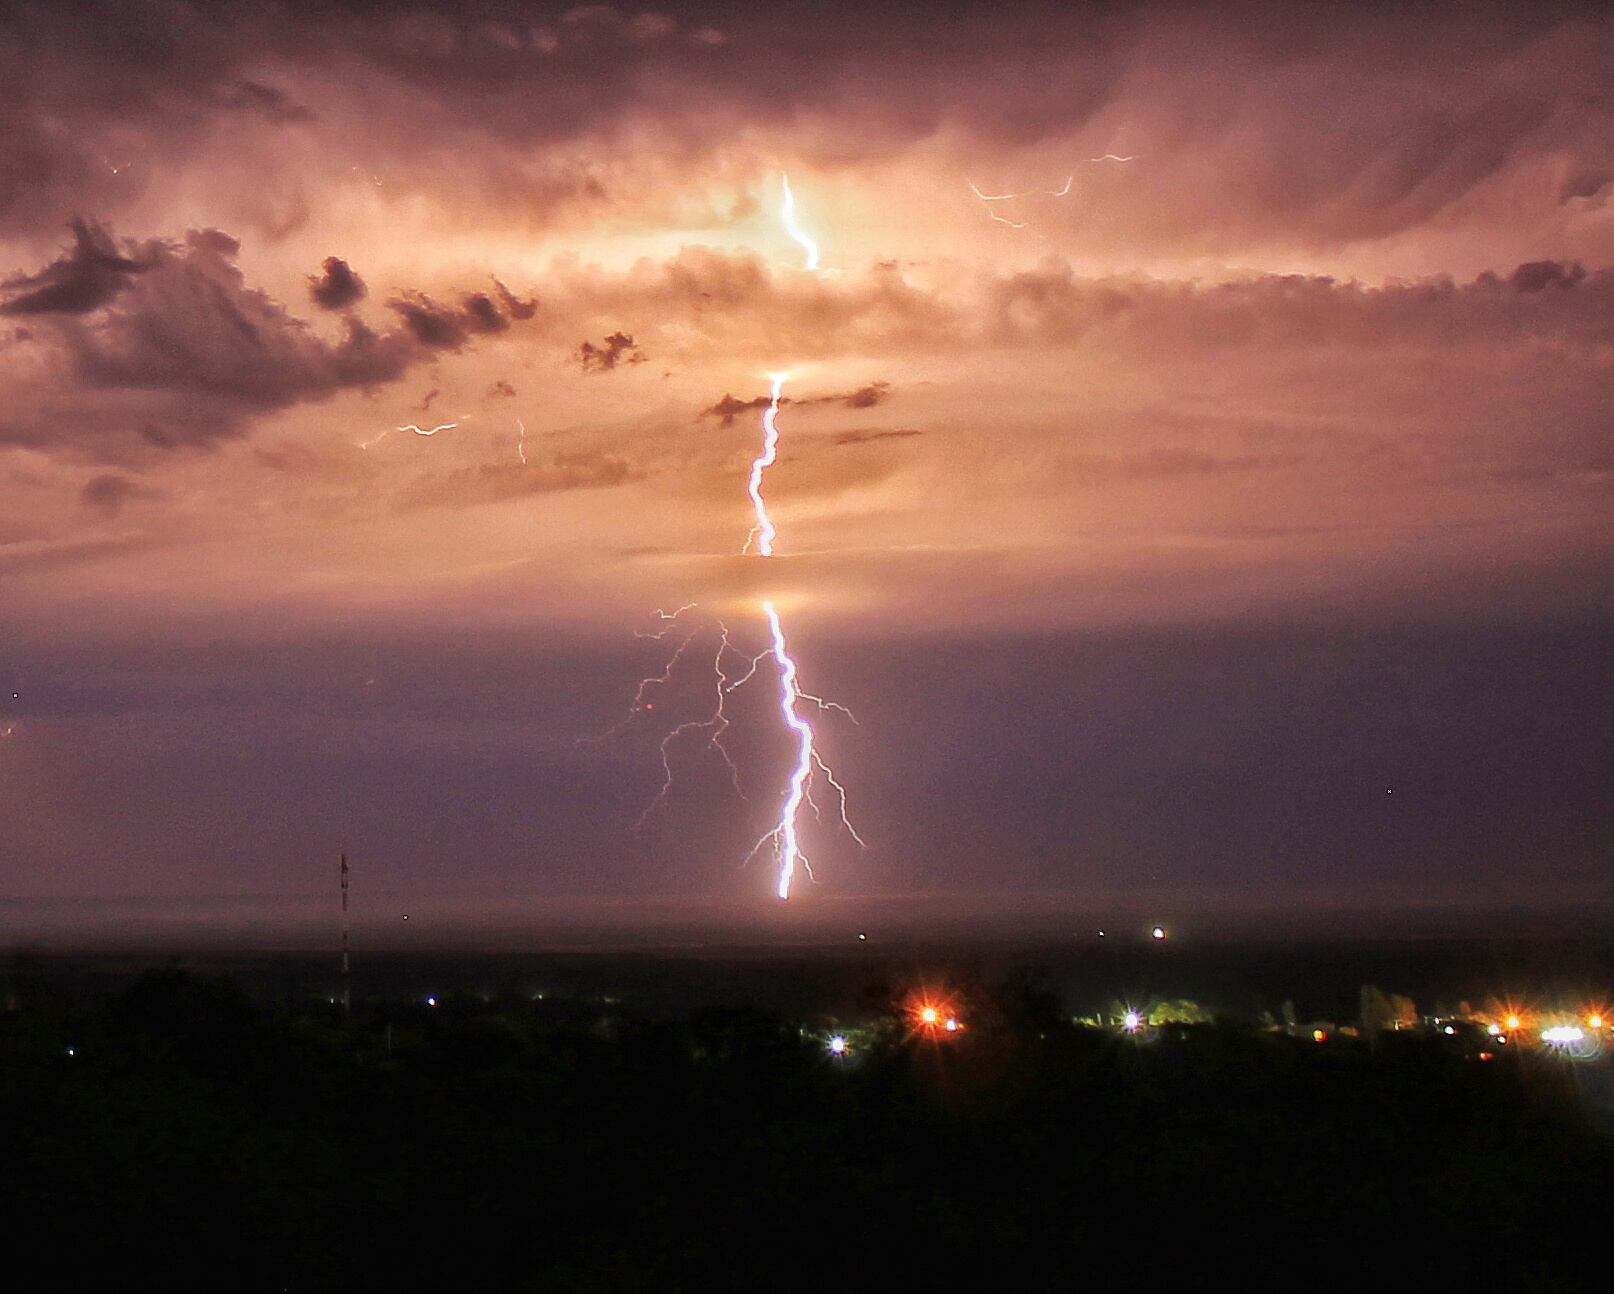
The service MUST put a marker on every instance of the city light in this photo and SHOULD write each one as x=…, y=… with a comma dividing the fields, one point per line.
x=1512, y=1022
x=837, y=1045
x=1131, y=1022
x=934, y=1016
x=1562, y=1034
x=1158, y=933
x=1594, y=1020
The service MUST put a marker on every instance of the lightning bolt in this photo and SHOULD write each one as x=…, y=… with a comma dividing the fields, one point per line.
x=1060, y=192
x=521, y=443
x=787, y=213
x=419, y=431
x=785, y=834
x=676, y=626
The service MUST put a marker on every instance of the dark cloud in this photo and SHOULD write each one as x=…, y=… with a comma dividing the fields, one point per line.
x=192, y=324
x=87, y=277
x=860, y=437
x=482, y=314
x=444, y=328
x=1534, y=276
x=181, y=351
x=108, y=492
x=617, y=348
x=514, y=306
x=271, y=104
x=501, y=388
x=865, y=397
x=426, y=400
x=431, y=324
x=1427, y=109
x=337, y=287
x=729, y=408
x=497, y=482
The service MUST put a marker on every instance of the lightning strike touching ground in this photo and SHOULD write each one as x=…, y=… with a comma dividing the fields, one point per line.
x=784, y=834
x=787, y=843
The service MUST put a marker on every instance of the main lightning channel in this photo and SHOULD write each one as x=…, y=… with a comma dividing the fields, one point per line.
x=763, y=533
x=789, y=843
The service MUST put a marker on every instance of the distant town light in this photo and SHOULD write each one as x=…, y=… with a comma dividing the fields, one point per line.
x=431, y=1001
x=1159, y=932
x=1512, y=1022
x=1131, y=1021
x=1562, y=1034
x=1449, y=1030
x=1319, y=1035
x=1493, y=1029
x=1594, y=1020
x=950, y=1024
x=837, y=1045
x=927, y=1015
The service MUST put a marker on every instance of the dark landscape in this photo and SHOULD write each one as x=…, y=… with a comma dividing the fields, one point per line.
x=786, y=1117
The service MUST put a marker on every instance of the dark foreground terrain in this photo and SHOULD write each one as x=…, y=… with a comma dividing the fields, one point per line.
x=173, y=1130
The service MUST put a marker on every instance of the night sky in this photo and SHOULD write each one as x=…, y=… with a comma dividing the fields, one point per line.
x=1228, y=525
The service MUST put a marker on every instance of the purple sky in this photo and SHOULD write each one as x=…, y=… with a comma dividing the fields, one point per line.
x=1225, y=516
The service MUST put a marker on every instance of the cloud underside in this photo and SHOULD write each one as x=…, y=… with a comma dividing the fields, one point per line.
x=1431, y=119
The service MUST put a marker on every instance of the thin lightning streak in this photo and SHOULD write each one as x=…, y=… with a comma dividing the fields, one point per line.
x=1062, y=191
x=787, y=213
x=1010, y=197
x=829, y=776
x=419, y=431
x=521, y=443
x=716, y=722
x=714, y=725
